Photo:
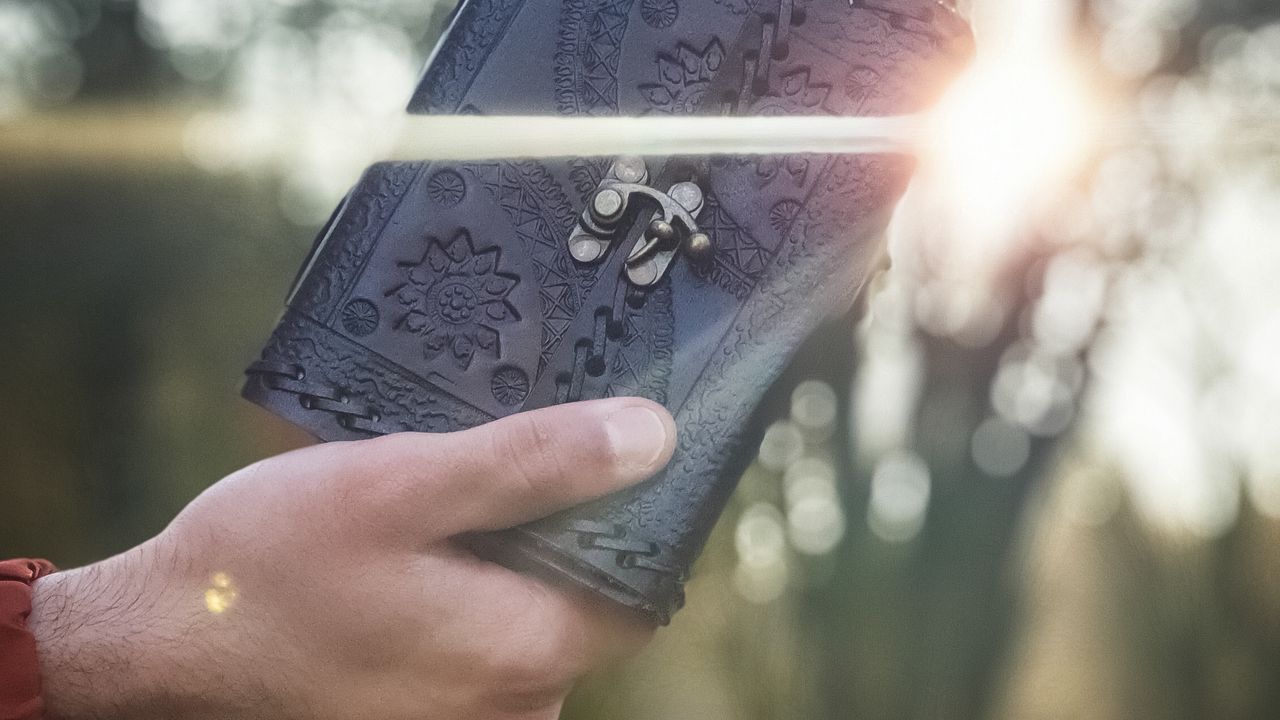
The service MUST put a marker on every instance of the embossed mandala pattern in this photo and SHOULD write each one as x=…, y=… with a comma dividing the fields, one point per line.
x=793, y=94
x=792, y=169
x=541, y=214
x=453, y=296
x=683, y=78
x=740, y=258
x=587, y=55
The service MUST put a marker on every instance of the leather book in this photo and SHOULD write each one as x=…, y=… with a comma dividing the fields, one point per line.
x=444, y=295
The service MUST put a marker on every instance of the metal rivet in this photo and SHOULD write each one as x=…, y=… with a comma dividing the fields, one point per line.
x=629, y=169
x=607, y=204
x=644, y=275
x=687, y=194
x=586, y=250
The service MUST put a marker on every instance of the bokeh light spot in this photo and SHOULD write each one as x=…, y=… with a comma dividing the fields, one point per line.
x=221, y=594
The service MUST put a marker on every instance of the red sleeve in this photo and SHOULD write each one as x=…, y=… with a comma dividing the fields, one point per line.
x=19, y=667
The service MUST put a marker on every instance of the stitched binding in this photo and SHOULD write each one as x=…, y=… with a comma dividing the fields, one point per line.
x=322, y=398
x=590, y=353
x=631, y=553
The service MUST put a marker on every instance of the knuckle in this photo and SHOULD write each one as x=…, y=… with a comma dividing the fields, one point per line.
x=382, y=475
x=367, y=475
x=543, y=643
x=554, y=648
x=533, y=451
x=529, y=660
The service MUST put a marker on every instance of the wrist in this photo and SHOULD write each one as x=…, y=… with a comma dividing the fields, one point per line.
x=108, y=643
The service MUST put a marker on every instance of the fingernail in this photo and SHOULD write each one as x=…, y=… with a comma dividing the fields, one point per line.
x=638, y=435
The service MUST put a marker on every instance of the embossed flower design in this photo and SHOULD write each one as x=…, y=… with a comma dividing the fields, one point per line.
x=446, y=187
x=360, y=317
x=783, y=213
x=773, y=167
x=860, y=82
x=510, y=386
x=659, y=13
x=793, y=93
x=683, y=78
x=453, y=297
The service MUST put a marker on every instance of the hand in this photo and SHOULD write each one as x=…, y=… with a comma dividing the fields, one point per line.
x=323, y=583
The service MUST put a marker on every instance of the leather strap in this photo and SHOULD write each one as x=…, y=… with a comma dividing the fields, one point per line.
x=20, y=697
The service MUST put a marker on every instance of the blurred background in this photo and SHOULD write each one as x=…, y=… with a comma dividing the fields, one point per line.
x=1036, y=474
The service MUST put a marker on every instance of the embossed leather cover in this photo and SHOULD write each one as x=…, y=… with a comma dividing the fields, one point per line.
x=442, y=296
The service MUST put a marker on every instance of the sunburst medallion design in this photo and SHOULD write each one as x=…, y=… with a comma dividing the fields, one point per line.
x=455, y=297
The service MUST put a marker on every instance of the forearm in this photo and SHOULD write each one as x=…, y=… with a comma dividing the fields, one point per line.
x=113, y=643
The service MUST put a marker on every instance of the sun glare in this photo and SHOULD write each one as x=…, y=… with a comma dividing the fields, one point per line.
x=1012, y=130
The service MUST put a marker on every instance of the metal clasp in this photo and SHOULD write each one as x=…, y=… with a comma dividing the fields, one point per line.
x=670, y=228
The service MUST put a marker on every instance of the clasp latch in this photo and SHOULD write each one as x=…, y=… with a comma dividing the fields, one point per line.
x=670, y=228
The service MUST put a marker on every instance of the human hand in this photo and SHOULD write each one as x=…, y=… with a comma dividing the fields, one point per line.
x=324, y=583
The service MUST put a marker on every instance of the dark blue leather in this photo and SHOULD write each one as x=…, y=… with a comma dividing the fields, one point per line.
x=443, y=295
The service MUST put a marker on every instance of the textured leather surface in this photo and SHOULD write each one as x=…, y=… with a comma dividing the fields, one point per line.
x=442, y=296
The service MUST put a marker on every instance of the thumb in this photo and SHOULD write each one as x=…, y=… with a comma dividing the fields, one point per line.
x=521, y=467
